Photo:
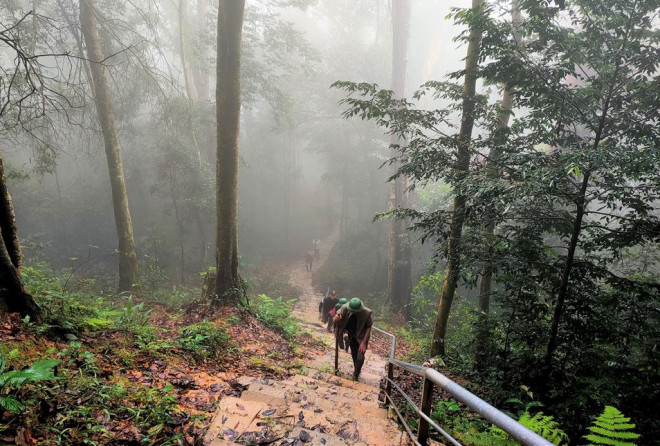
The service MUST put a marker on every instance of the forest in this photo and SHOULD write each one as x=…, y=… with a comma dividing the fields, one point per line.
x=182, y=182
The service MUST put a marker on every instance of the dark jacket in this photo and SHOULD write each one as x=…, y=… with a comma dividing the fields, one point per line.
x=364, y=321
x=328, y=303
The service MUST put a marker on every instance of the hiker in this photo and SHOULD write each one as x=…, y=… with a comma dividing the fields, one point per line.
x=317, y=251
x=356, y=319
x=342, y=338
x=325, y=306
x=309, y=259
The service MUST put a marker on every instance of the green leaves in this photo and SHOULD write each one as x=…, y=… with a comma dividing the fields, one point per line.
x=203, y=339
x=40, y=371
x=276, y=314
x=11, y=405
x=611, y=428
x=575, y=171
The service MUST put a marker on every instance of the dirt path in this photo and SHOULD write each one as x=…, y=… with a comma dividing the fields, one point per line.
x=307, y=314
x=315, y=408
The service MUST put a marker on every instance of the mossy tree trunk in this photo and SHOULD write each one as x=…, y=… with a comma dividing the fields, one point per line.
x=128, y=263
x=13, y=295
x=493, y=170
x=452, y=271
x=228, y=109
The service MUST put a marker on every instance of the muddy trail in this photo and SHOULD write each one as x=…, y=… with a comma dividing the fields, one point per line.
x=314, y=407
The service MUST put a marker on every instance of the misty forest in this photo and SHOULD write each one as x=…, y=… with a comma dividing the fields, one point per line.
x=217, y=215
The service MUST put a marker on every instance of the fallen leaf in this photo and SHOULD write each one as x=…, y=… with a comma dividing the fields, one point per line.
x=304, y=436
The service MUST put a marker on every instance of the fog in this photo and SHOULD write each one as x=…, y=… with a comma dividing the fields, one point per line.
x=299, y=160
x=484, y=176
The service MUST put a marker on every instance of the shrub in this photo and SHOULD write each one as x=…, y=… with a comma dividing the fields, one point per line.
x=276, y=314
x=203, y=339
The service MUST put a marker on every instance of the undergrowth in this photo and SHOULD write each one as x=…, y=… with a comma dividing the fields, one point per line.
x=116, y=364
x=203, y=339
x=276, y=314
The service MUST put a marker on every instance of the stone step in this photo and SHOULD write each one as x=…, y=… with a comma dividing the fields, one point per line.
x=317, y=438
x=318, y=408
x=233, y=417
x=274, y=401
x=330, y=386
x=292, y=393
x=329, y=377
x=313, y=381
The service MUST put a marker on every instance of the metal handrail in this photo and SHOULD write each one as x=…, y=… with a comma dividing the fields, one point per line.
x=403, y=420
x=431, y=377
x=422, y=414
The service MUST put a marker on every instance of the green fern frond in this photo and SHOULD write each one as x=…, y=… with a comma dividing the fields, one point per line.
x=611, y=428
x=544, y=425
x=482, y=439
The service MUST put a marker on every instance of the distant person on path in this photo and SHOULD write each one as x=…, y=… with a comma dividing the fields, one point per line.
x=309, y=260
x=357, y=320
x=317, y=250
x=325, y=306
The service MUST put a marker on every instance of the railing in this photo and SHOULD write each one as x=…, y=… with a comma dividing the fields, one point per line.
x=433, y=377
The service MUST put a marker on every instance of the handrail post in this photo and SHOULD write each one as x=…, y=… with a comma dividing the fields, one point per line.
x=423, y=430
x=388, y=386
x=336, y=356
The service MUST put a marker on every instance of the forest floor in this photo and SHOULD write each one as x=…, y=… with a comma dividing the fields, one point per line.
x=154, y=376
x=114, y=389
x=133, y=373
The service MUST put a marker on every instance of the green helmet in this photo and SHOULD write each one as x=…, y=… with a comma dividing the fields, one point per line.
x=355, y=305
x=341, y=302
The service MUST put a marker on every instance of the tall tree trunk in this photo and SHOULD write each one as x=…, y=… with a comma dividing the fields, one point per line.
x=13, y=294
x=452, y=271
x=76, y=32
x=199, y=69
x=485, y=284
x=489, y=228
x=201, y=78
x=192, y=96
x=286, y=201
x=187, y=78
x=129, y=279
x=493, y=171
x=399, y=265
x=203, y=246
x=228, y=108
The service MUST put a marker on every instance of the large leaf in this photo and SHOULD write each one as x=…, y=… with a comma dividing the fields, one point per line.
x=11, y=405
x=40, y=371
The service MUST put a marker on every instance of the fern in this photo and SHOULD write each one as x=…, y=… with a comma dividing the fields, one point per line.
x=544, y=425
x=611, y=428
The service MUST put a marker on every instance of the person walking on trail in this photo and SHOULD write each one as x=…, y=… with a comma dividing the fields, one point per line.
x=342, y=338
x=309, y=260
x=317, y=250
x=357, y=320
x=325, y=306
